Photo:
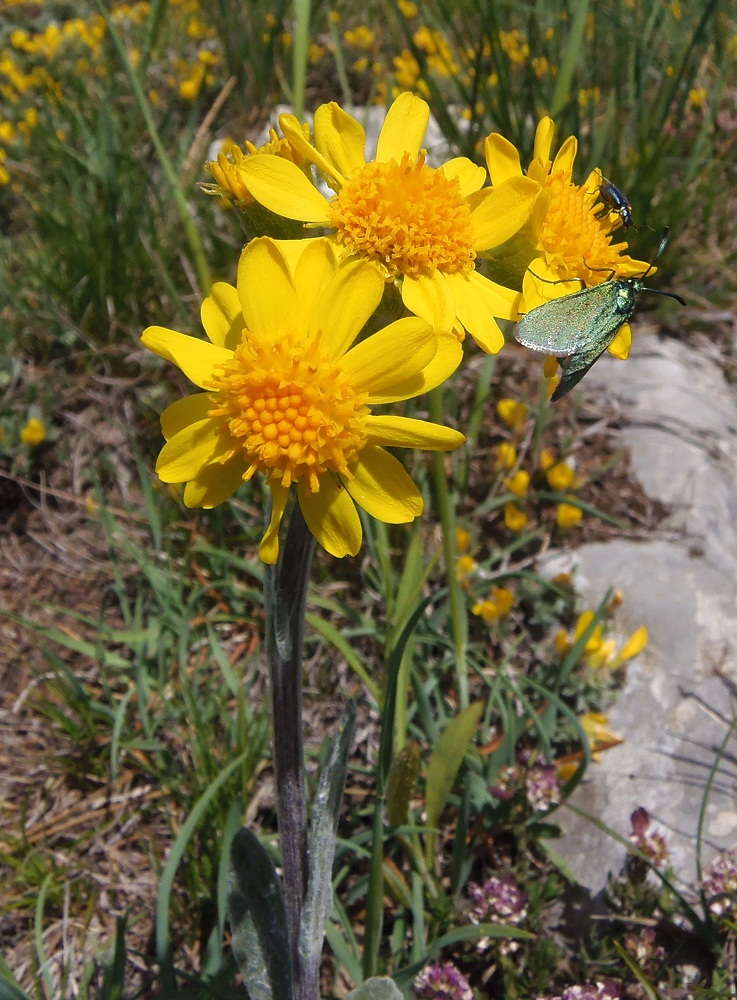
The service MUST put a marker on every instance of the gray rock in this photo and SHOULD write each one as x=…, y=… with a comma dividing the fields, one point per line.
x=678, y=700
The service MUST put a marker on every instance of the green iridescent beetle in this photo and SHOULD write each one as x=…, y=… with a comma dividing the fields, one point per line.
x=578, y=328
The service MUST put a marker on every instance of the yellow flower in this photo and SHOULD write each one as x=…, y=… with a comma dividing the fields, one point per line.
x=288, y=394
x=546, y=459
x=496, y=606
x=601, y=738
x=506, y=456
x=226, y=170
x=514, y=518
x=568, y=515
x=634, y=645
x=34, y=433
x=568, y=241
x=424, y=227
x=463, y=540
x=512, y=413
x=518, y=483
x=697, y=97
x=560, y=476
x=465, y=565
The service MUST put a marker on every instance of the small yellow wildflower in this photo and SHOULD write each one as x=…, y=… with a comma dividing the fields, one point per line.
x=633, y=647
x=408, y=9
x=568, y=516
x=560, y=477
x=463, y=540
x=697, y=97
x=287, y=393
x=519, y=483
x=595, y=724
x=34, y=433
x=546, y=459
x=514, y=518
x=360, y=38
x=512, y=412
x=506, y=456
x=465, y=565
x=497, y=605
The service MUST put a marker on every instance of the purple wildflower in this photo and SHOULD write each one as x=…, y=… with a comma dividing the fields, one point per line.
x=651, y=842
x=442, y=982
x=543, y=787
x=720, y=884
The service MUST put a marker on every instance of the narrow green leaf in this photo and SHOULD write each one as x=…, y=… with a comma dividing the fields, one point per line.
x=258, y=920
x=9, y=988
x=325, y=814
x=445, y=764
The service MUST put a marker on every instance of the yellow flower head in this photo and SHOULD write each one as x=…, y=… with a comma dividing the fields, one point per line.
x=34, y=433
x=465, y=565
x=506, y=456
x=560, y=477
x=496, y=606
x=422, y=226
x=568, y=243
x=568, y=516
x=288, y=394
x=463, y=540
x=512, y=413
x=228, y=175
x=514, y=518
x=518, y=483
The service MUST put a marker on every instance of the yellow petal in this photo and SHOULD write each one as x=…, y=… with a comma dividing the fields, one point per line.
x=198, y=359
x=543, y=139
x=403, y=129
x=430, y=296
x=268, y=550
x=470, y=175
x=479, y=300
x=382, y=486
x=331, y=516
x=266, y=290
x=407, y=432
x=341, y=141
x=502, y=159
x=565, y=156
x=292, y=130
x=313, y=268
x=397, y=352
x=620, y=346
x=214, y=484
x=345, y=305
x=634, y=645
x=503, y=211
x=195, y=446
x=222, y=317
x=280, y=186
x=292, y=250
x=447, y=358
x=182, y=412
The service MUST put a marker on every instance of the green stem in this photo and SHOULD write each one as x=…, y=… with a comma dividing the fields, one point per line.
x=285, y=596
x=446, y=510
x=180, y=201
x=302, y=10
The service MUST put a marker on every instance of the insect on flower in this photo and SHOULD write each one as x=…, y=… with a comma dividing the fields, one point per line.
x=578, y=328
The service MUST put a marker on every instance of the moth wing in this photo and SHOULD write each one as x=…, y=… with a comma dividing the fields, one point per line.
x=574, y=369
x=570, y=324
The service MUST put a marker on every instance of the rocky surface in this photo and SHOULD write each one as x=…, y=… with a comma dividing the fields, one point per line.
x=679, y=697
